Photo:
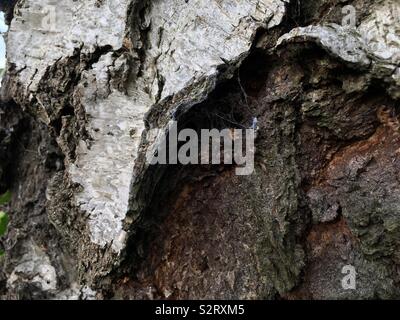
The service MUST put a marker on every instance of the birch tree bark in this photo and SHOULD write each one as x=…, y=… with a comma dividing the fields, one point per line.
x=86, y=84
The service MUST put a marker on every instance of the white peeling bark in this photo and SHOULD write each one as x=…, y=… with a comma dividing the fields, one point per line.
x=185, y=42
x=116, y=63
x=44, y=32
x=374, y=44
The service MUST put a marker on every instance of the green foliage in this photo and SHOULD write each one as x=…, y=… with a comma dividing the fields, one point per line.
x=3, y=223
x=3, y=226
x=4, y=198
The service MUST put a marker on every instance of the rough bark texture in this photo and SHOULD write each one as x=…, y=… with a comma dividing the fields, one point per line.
x=91, y=219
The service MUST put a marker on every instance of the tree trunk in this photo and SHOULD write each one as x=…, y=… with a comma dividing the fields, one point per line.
x=88, y=81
